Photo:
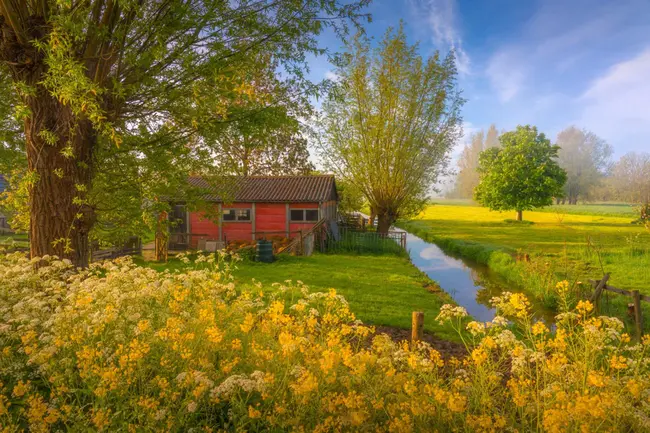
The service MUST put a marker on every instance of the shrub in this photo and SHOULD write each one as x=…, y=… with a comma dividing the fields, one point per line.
x=124, y=348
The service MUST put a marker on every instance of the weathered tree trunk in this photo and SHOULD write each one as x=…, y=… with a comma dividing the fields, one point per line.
x=59, y=147
x=519, y=215
x=373, y=215
x=384, y=222
x=59, y=217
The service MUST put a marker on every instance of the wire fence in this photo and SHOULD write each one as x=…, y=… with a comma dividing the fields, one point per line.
x=353, y=241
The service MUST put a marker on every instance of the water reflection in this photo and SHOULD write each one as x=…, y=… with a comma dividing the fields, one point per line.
x=470, y=284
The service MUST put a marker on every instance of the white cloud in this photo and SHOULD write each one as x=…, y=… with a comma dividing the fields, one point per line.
x=441, y=17
x=616, y=104
x=506, y=74
x=331, y=75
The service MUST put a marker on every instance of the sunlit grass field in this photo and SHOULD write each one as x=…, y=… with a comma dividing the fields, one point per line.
x=381, y=289
x=580, y=243
x=601, y=209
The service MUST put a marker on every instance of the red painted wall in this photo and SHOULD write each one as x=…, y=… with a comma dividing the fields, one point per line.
x=269, y=217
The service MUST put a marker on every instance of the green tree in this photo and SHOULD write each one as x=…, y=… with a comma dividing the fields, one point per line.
x=520, y=175
x=391, y=124
x=350, y=198
x=270, y=142
x=123, y=85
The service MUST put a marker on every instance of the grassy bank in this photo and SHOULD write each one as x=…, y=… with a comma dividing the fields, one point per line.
x=381, y=289
x=554, y=247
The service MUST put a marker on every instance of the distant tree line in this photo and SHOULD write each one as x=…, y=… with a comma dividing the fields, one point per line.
x=591, y=172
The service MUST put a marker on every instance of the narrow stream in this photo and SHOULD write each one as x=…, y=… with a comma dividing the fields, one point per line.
x=472, y=285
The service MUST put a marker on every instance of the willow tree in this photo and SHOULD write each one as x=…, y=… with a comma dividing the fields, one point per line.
x=92, y=75
x=390, y=125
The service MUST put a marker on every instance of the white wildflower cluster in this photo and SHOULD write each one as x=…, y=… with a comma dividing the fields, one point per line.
x=448, y=312
x=238, y=382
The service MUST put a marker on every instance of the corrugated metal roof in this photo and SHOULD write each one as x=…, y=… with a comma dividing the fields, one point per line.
x=316, y=188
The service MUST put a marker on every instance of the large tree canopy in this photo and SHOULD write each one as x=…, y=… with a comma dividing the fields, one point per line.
x=112, y=93
x=389, y=129
x=520, y=175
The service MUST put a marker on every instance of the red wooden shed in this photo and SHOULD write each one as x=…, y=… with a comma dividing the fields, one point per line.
x=255, y=206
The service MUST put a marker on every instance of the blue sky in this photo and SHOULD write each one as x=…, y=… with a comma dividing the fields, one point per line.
x=550, y=63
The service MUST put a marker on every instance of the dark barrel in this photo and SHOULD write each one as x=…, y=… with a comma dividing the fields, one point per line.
x=264, y=251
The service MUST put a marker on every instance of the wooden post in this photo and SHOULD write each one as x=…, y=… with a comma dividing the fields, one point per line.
x=417, y=326
x=599, y=288
x=302, y=243
x=638, y=316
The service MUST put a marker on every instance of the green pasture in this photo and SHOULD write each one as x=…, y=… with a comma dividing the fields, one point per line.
x=381, y=289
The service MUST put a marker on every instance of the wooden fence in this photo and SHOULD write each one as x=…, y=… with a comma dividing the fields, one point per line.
x=634, y=307
x=131, y=247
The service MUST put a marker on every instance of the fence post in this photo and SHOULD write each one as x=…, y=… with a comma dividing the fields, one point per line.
x=638, y=316
x=417, y=326
x=599, y=289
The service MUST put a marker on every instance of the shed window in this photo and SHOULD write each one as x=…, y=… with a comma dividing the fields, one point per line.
x=236, y=215
x=304, y=215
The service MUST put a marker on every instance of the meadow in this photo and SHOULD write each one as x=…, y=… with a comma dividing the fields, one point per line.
x=381, y=289
x=548, y=246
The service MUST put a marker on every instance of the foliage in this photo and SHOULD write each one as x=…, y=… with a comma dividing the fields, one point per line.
x=468, y=176
x=269, y=139
x=586, y=159
x=389, y=128
x=351, y=199
x=523, y=174
x=112, y=95
x=120, y=347
x=631, y=178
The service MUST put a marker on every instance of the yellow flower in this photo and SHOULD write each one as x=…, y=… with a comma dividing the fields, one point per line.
x=249, y=321
x=215, y=335
x=539, y=328
x=101, y=418
x=21, y=388
x=618, y=362
x=479, y=356
x=456, y=402
x=253, y=413
x=596, y=379
x=562, y=287
x=634, y=387
x=584, y=307
x=235, y=344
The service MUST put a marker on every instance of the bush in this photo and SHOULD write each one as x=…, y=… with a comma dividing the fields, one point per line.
x=124, y=348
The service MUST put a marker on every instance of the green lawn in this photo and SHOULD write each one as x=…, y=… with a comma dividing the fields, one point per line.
x=381, y=289
x=18, y=238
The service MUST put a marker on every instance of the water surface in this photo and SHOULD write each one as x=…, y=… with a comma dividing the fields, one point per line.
x=471, y=284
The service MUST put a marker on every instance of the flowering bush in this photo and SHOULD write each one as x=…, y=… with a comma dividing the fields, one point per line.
x=124, y=348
